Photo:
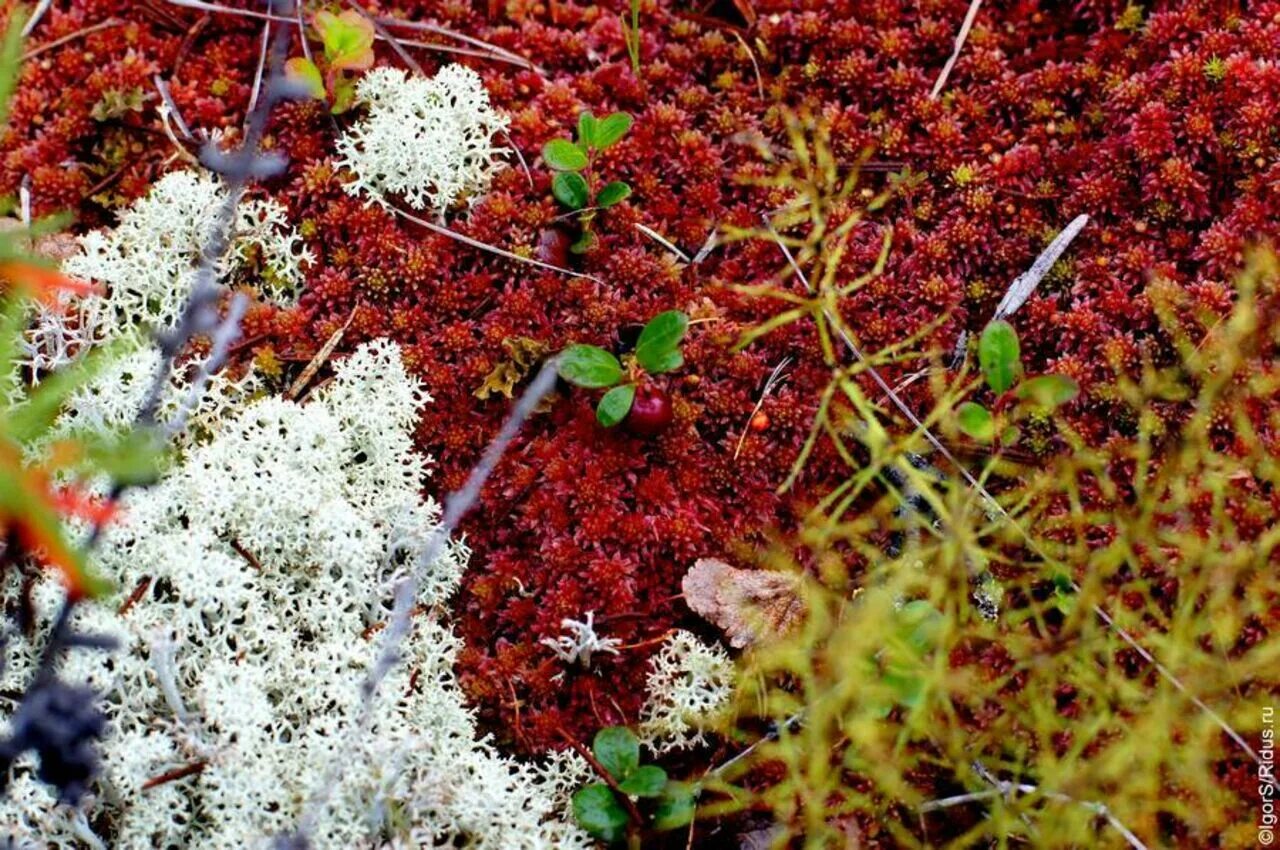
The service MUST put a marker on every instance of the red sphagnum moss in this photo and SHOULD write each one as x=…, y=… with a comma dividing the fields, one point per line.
x=1160, y=124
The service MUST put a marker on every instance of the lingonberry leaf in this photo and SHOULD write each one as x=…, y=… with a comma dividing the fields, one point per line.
x=976, y=421
x=658, y=349
x=589, y=366
x=587, y=125
x=306, y=75
x=1048, y=390
x=564, y=155
x=647, y=781
x=598, y=811
x=347, y=38
x=999, y=355
x=617, y=749
x=570, y=189
x=615, y=405
x=610, y=130
x=614, y=193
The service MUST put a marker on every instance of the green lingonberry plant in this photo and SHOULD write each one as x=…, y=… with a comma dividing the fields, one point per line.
x=1000, y=358
x=609, y=810
x=348, y=48
x=573, y=161
x=644, y=406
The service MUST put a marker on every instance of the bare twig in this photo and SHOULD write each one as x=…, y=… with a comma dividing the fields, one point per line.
x=322, y=356
x=484, y=246
x=969, y=18
x=1025, y=284
x=1008, y=790
x=398, y=627
x=36, y=15
x=69, y=37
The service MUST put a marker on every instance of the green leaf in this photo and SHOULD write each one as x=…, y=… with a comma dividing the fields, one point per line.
x=976, y=421
x=564, y=155
x=1048, y=390
x=617, y=749
x=999, y=355
x=647, y=781
x=570, y=189
x=615, y=405
x=598, y=811
x=614, y=193
x=587, y=125
x=610, y=130
x=348, y=40
x=11, y=59
x=589, y=366
x=303, y=72
x=676, y=807
x=658, y=350
x=1010, y=435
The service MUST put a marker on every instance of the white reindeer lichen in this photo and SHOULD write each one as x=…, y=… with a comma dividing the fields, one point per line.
x=426, y=141
x=252, y=582
x=148, y=261
x=689, y=688
x=581, y=642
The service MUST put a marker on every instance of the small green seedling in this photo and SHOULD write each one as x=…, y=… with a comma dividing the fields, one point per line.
x=1000, y=358
x=574, y=163
x=348, y=48
x=644, y=406
x=609, y=810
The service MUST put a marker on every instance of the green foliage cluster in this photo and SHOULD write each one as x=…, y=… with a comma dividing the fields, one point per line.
x=574, y=184
x=1074, y=650
x=608, y=810
x=657, y=351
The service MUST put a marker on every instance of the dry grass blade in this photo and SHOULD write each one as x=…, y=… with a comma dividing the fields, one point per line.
x=969, y=18
x=1004, y=516
x=322, y=357
x=1025, y=284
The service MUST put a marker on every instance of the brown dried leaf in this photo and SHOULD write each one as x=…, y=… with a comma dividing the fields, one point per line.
x=749, y=605
x=523, y=354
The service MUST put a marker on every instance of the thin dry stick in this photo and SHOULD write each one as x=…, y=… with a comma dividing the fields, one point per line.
x=969, y=18
x=754, y=64
x=397, y=631
x=493, y=49
x=486, y=51
x=484, y=246
x=1010, y=789
x=996, y=507
x=262, y=64
x=72, y=36
x=322, y=356
x=657, y=237
x=41, y=8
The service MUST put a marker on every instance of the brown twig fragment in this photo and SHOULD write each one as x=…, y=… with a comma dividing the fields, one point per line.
x=175, y=774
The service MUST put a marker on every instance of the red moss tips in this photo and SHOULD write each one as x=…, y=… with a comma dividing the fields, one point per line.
x=1160, y=127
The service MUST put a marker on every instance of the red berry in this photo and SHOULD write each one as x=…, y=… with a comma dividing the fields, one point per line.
x=650, y=412
x=553, y=247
